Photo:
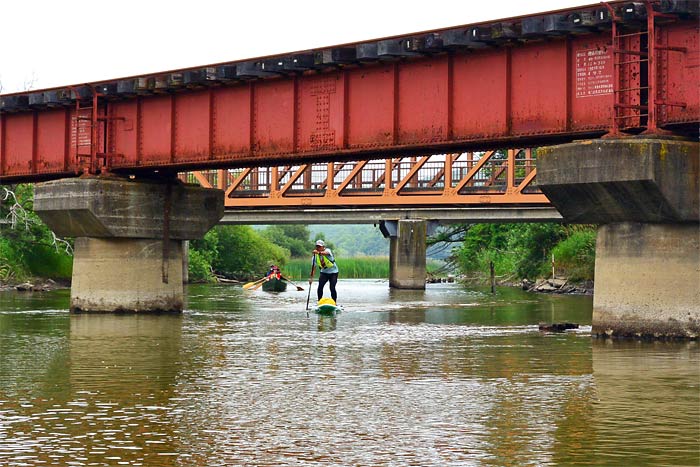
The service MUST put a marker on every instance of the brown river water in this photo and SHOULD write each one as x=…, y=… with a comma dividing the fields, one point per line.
x=452, y=376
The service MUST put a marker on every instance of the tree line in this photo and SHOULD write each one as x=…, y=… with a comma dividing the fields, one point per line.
x=28, y=248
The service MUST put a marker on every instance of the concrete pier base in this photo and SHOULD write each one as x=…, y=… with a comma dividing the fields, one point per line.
x=407, y=255
x=126, y=275
x=646, y=193
x=129, y=238
x=647, y=280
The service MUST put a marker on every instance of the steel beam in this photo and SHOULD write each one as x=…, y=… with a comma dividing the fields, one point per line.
x=455, y=215
x=473, y=87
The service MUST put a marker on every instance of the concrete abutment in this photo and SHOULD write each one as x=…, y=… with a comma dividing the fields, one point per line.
x=407, y=263
x=129, y=238
x=645, y=194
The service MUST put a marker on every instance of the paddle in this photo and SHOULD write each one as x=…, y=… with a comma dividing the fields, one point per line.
x=299, y=289
x=252, y=284
x=258, y=285
x=311, y=279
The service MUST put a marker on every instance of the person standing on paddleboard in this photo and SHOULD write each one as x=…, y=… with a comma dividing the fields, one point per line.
x=323, y=258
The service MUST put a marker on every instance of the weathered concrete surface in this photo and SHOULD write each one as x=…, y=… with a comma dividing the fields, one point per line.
x=407, y=255
x=647, y=281
x=126, y=275
x=121, y=208
x=619, y=180
x=119, y=227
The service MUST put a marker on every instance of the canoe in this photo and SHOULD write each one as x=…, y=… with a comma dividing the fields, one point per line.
x=274, y=285
x=327, y=309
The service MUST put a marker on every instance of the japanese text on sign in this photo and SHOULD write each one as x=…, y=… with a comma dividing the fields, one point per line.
x=594, y=73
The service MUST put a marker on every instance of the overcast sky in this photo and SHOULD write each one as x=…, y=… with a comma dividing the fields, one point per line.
x=47, y=43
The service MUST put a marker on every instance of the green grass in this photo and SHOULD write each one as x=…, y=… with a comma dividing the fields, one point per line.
x=359, y=267
x=350, y=268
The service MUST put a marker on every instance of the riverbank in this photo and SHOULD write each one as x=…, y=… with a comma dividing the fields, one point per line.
x=35, y=284
x=557, y=285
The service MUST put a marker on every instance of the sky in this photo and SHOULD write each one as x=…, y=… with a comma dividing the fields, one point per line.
x=50, y=43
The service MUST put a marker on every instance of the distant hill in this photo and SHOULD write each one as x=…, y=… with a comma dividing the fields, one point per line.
x=353, y=240
x=361, y=240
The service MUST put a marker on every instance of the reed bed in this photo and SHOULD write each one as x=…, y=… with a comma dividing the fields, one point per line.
x=358, y=267
x=361, y=267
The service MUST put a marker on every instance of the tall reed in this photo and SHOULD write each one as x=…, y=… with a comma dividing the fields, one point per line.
x=362, y=267
x=359, y=267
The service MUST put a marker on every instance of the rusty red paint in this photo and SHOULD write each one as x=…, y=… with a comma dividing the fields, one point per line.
x=539, y=91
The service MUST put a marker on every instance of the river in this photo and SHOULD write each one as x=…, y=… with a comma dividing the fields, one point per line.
x=452, y=376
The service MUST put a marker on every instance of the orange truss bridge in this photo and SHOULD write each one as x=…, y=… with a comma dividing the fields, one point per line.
x=445, y=182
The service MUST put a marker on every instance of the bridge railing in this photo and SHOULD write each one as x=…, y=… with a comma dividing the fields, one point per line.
x=504, y=177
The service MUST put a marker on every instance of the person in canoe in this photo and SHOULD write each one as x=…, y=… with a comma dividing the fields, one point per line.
x=328, y=270
x=276, y=282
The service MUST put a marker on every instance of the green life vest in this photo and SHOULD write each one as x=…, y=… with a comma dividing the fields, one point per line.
x=323, y=261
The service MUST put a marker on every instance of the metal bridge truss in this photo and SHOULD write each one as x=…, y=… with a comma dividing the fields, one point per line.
x=497, y=177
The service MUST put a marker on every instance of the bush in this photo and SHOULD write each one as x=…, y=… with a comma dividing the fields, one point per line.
x=574, y=257
x=199, y=269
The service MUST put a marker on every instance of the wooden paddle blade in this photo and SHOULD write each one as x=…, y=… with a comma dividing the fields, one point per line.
x=253, y=284
x=256, y=286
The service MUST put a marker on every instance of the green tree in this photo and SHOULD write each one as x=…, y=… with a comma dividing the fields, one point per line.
x=27, y=246
x=294, y=238
x=242, y=252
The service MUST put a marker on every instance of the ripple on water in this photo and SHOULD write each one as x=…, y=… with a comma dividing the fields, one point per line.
x=447, y=377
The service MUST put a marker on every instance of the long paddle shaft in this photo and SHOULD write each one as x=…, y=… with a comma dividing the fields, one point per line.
x=311, y=279
x=299, y=289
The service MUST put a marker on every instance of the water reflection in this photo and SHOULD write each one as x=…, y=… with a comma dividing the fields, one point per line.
x=447, y=376
x=649, y=392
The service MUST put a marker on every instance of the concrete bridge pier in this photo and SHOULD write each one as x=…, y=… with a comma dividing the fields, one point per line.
x=128, y=238
x=406, y=252
x=645, y=193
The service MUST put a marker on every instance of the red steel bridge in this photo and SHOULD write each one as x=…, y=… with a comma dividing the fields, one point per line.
x=446, y=117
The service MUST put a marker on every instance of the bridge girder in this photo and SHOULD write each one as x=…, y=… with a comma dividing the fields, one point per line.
x=535, y=80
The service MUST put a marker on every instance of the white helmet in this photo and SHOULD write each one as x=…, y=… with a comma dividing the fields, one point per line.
x=320, y=243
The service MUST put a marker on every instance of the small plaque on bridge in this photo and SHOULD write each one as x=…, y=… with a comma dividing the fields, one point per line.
x=594, y=72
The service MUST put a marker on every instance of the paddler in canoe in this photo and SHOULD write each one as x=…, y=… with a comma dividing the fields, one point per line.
x=273, y=281
x=328, y=273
